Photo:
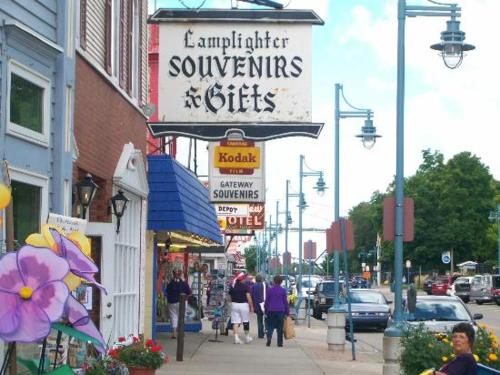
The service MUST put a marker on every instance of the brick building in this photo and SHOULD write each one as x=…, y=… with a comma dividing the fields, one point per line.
x=110, y=132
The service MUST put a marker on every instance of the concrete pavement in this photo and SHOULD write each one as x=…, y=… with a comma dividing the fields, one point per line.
x=306, y=354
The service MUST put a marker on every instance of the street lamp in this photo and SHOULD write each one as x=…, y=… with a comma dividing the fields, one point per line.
x=119, y=203
x=368, y=136
x=452, y=46
x=86, y=189
x=495, y=215
x=320, y=188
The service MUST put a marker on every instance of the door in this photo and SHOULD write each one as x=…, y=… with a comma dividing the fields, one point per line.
x=120, y=272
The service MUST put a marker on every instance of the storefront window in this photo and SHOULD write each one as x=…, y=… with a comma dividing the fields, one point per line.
x=26, y=199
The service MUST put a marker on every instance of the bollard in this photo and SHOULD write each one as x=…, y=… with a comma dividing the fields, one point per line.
x=335, y=336
x=180, y=327
x=392, y=351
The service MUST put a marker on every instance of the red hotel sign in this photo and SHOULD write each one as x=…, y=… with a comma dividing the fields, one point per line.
x=254, y=220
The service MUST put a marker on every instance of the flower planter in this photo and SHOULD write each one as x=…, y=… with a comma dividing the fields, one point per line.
x=141, y=371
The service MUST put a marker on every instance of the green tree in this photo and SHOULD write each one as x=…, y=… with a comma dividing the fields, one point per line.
x=251, y=258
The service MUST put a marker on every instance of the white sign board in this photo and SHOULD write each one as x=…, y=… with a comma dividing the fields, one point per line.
x=232, y=210
x=235, y=72
x=236, y=172
x=446, y=257
x=67, y=224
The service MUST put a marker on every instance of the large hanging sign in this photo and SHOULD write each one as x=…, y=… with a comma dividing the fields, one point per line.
x=236, y=172
x=245, y=71
x=252, y=221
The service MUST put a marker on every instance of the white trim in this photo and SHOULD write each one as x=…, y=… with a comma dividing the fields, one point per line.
x=34, y=34
x=70, y=41
x=67, y=198
x=135, y=49
x=35, y=179
x=68, y=120
x=40, y=81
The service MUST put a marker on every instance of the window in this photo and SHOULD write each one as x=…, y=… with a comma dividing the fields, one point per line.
x=28, y=104
x=26, y=199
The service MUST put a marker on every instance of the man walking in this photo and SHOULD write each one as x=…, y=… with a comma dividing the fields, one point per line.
x=259, y=290
x=175, y=287
x=276, y=308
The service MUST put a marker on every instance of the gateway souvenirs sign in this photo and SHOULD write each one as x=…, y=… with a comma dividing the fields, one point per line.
x=236, y=171
x=245, y=71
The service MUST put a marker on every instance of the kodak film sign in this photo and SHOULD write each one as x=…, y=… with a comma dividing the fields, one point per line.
x=236, y=172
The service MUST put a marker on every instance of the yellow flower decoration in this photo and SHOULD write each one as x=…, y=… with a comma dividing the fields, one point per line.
x=5, y=196
x=45, y=239
x=493, y=357
x=453, y=355
x=476, y=357
x=445, y=340
x=444, y=358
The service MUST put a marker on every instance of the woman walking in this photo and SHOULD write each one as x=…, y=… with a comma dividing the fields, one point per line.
x=276, y=308
x=175, y=287
x=241, y=307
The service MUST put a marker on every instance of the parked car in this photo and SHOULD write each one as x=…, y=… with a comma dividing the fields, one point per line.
x=440, y=285
x=370, y=309
x=483, y=288
x=496, y=285
x=440, y=313
x=359, y=282
x=324, y=296
x=461, y=288
x=428, y=284
x=308, y=285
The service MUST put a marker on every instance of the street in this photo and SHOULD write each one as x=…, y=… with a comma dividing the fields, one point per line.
x=372, y=340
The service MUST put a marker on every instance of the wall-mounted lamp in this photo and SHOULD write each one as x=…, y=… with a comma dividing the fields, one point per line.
x=86, y=189
x=119, y=203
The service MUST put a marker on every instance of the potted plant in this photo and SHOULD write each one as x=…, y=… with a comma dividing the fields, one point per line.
x=141, y=358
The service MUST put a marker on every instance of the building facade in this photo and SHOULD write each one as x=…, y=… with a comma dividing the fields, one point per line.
x=110, y=132
x=37, y=60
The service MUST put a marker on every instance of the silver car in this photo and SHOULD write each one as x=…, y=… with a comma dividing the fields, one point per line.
x=440, y=313
x=483, y=288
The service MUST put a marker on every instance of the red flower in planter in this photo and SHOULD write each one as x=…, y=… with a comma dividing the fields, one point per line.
x=121, y=339
x=156, y=348
x=149, y=342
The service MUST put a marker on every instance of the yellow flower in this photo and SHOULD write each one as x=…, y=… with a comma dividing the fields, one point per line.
x=444, y=358
x=476, y=357
x=483, y=326
x=452, y=355
x=493, y=357
x=445, y=340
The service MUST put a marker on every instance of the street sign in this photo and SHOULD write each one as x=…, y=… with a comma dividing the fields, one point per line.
x=310, y=250
x=254, y=219
x=446, y=257
x=236, y=169
x=235, y=70
x=237, y=210
x=389, y=219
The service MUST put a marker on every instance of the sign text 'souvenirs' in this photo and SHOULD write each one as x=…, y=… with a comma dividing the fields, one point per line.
x=243, y=71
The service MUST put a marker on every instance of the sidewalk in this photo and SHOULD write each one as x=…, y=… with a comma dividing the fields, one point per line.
x=307, y=354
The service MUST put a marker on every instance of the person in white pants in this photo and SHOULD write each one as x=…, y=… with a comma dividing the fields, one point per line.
x=175, y=287
x=241, y=307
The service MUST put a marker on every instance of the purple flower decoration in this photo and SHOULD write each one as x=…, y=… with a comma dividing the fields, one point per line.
x=79, y=264
x=79, y=319
x=32, y=293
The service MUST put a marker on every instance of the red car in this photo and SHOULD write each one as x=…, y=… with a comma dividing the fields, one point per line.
x=440, y=285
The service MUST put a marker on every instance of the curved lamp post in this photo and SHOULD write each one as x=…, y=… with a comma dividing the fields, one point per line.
x=320, y=188
x=452, y=48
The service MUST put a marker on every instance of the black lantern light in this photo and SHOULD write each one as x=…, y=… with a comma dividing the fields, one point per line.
x=119, y=203
x=86, y=189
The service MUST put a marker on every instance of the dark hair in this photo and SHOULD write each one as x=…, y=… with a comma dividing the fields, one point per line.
x=258, y=278
x=467, y=329
x=277, y=280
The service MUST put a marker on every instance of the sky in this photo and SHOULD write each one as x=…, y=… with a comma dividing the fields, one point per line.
x=445, y=110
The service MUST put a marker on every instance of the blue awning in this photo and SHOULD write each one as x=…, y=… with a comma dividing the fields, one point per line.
x=178, y=201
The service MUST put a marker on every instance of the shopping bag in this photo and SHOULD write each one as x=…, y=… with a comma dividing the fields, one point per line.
x=288, y=329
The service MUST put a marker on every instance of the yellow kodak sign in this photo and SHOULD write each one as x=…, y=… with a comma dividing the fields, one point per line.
x=237, y=157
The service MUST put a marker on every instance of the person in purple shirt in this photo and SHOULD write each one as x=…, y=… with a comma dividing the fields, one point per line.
x=257, y=298
x=276, y=308
x=463, y=336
